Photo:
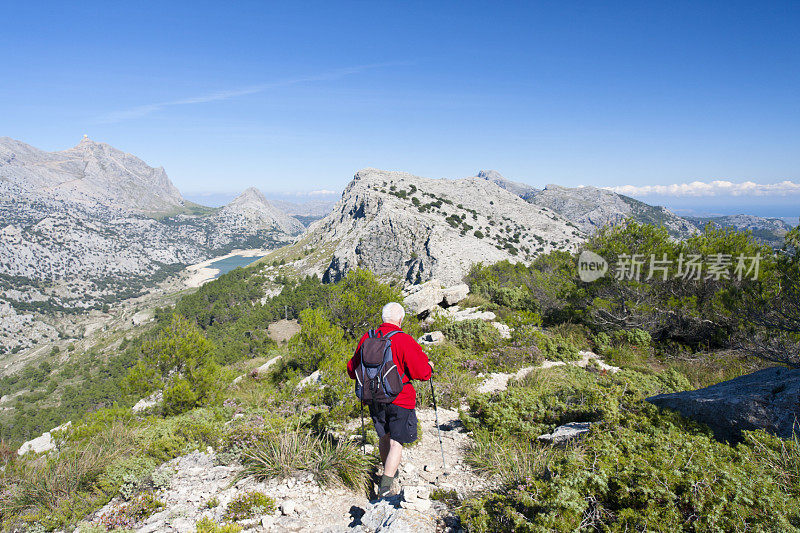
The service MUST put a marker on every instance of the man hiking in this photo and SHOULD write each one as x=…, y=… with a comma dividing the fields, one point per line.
x=385, y=362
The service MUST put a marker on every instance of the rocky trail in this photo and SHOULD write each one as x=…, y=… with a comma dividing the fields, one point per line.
x=196, y=480
x=198, y=487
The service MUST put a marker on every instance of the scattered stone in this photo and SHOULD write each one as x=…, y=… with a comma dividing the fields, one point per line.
x=566, y=432
x=505, y=331
x=288, y=507
x=768, y=399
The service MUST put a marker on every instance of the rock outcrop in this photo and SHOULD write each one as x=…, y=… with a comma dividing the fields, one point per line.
x=768, y=399
x=425, y=298
x=44, y=442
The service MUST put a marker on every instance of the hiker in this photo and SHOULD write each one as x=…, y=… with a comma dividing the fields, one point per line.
x=383, y=383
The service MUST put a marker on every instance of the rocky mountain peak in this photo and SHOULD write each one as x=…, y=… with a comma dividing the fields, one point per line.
x=251, y=195
x=90, y=173
x=395, y=223
x=490, y=175
x=252, y=209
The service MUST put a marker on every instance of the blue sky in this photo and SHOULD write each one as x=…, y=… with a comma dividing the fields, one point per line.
x=298, y=96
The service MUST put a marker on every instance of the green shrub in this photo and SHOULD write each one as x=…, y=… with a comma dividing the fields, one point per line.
x=207, y=525
x=548, y=398
x=558, y=348
x=474, y=335
x=179, y=360
x=248, y=505
x=639, y=475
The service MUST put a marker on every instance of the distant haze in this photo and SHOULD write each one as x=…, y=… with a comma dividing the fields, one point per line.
x=218, y=199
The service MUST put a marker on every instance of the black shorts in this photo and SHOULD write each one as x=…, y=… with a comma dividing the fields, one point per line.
x=399, y=422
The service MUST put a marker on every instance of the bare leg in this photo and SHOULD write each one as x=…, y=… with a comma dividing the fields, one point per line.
x=383, y=447
x=392, y=460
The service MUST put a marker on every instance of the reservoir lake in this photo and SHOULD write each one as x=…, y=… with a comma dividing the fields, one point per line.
x=229, y=263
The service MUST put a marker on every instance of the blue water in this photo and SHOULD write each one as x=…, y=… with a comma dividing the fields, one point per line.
x=229, y=263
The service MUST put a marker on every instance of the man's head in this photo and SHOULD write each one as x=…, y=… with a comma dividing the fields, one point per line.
x=393, y=313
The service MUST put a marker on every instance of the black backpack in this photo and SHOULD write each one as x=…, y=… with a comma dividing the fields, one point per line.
x=378, y=380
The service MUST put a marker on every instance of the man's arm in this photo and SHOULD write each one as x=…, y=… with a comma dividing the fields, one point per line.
x=355, y=360
x=417, y=365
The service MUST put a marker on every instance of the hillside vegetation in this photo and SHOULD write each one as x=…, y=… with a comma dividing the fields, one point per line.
x=637, y=469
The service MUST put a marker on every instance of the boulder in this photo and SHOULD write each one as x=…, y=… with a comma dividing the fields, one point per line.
x=423, y=298
x=263, y=369
x=768, y=399
x=43, y=443
x=566, y=432
x=314, y=379
x=453, y=295
x=433, y=337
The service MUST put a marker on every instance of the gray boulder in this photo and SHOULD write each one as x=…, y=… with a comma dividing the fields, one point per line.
x=566, y=432
x=768, y=399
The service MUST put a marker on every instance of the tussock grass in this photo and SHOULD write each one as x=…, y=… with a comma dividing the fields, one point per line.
x=507, y=459
x=60, y=484
x=294, y=450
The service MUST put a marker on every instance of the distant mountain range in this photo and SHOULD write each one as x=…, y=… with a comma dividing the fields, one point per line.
x=591, y=208
x=85, y=227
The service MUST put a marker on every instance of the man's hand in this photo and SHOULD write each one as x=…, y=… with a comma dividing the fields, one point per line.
x=431, y=363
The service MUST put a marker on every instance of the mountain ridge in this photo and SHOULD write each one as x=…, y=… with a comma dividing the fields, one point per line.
x=414, y=228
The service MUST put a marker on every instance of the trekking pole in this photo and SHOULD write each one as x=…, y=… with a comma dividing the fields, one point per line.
x=438, y=429
x=363, y=431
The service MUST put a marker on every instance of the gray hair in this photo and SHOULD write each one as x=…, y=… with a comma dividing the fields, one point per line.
x=393, y=312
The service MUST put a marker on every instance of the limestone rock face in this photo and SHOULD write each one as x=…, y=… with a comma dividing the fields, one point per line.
x=768, y=399
x=397, y=224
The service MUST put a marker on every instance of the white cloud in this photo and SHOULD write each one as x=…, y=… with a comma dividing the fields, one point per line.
x=711, y=188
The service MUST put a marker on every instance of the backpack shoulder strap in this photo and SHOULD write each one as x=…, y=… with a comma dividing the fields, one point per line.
x=405, y=379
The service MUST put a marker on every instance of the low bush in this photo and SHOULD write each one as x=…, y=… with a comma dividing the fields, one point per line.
x=558, y=347
x=475, y=335
x=127, y=515
x=207, y=525
x=639, y=477
x=248, y=505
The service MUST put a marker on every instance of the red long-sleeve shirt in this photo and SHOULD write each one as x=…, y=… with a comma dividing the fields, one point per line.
x=407, y=355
